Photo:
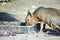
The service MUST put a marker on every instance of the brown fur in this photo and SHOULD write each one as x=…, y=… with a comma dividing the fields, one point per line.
x=49, y=16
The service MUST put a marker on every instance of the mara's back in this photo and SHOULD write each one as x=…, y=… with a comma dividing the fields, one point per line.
x=50, y=14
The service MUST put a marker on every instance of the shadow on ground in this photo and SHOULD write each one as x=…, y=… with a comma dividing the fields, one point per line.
x=22, y=24
x=52, y=32
x=6, y=17
x=47, y=30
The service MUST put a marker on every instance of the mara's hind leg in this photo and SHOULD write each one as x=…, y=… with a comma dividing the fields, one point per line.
x=50, y=24
x=53, y=25
x=42, y=28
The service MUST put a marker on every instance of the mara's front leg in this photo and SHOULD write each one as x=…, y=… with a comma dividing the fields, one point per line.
x=42, y=27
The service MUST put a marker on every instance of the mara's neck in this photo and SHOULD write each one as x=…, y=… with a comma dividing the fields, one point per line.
x=36, y=20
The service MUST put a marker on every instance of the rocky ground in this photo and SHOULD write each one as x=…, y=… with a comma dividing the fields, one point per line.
x=40, y=36
x=22, y=34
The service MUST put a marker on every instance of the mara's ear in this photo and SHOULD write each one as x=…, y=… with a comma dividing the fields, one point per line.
x=28, y=13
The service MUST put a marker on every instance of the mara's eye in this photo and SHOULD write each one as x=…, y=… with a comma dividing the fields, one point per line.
x=27, y=19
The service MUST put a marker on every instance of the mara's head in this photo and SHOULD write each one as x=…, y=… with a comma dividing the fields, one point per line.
x=30, y=19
